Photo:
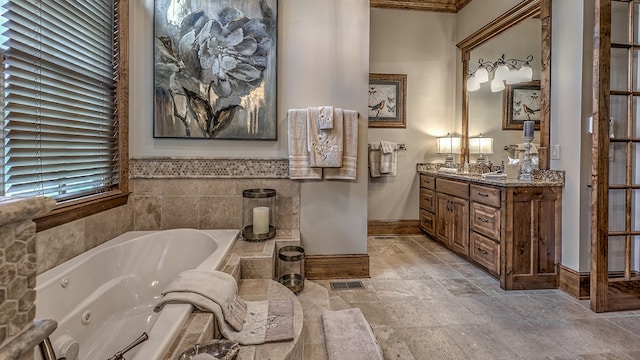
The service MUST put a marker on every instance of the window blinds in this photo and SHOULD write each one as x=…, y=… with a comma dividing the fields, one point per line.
x=60, y=125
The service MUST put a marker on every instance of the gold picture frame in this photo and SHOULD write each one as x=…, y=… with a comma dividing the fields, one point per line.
x=521, y=102
x=387, y=100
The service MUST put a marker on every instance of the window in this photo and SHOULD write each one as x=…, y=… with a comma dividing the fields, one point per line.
x=64, y=122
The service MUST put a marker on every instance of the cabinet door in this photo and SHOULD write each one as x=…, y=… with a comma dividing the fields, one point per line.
x=485, y=220
x=427, y=200
x=428, y=222
x=459, y=223
x=442, y=218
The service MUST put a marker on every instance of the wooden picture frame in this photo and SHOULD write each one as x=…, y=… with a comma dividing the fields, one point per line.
x=387, y=100
x=215, y=68
x=521, y=102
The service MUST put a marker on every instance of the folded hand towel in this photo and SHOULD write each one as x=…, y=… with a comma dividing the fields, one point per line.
x=387, y=147
x=324, y=146
x=374, y=159
x=298, y=152
x=350, y=148
x=325, y=118
x=388, y=158
x=216, y=286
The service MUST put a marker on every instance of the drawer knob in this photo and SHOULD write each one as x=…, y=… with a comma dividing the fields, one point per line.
x=482, y=251
x=484, y=220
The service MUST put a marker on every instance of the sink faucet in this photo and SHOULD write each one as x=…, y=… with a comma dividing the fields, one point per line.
x=482, y=166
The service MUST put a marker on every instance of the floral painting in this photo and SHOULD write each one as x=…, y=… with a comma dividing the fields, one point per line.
x=215, y=69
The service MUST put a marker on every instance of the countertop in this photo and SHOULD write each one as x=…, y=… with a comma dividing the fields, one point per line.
x=542, y=178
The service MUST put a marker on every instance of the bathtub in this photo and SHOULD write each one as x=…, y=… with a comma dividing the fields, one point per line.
x=103, y=299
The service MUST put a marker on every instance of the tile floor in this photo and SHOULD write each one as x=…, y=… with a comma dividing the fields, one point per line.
x=425, y=302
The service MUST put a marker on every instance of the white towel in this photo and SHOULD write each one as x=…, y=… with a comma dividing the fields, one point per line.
x=216, y=286
x=350, y=148
x=388, y=158
x=374, y=159
x=210, y=291
x=298, y=152
x=324, y=145
x=325, y=118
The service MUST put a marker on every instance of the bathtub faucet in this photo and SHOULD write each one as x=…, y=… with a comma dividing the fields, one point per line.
x=120, y=354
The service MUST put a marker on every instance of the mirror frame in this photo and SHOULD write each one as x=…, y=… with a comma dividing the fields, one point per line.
x=504, y=22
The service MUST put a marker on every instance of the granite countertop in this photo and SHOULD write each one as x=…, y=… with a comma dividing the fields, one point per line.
x=541, y=178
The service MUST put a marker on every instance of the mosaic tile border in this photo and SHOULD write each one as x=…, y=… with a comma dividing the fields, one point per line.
x=541, y=175
x=213, y=168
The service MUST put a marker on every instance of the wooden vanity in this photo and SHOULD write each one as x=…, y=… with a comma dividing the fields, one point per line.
x=511, y=229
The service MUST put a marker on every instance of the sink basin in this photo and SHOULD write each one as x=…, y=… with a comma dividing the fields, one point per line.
x=494, y=176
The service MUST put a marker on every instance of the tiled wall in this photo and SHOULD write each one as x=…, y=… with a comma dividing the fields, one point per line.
x=61, y=243
x=207, y=203
x=177, y=193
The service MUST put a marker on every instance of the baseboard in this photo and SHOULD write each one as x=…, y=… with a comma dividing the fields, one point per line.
x=574, y=283
x=336, y=266
x=393, y=227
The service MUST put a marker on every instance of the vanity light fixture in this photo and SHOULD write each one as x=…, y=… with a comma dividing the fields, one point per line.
x=448, y=145
x=482, y=146
x=510, y=71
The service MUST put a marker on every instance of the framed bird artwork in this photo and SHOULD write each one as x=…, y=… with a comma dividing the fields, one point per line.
x=387, y=94
x=521, y=102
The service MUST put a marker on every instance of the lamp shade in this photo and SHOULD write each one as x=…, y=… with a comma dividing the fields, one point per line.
x=497, y=85
x=481, y=145
x=482, y=75
x=448, y=144
x=473, y=84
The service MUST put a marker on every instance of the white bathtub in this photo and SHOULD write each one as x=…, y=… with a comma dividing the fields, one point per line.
x=103, y=299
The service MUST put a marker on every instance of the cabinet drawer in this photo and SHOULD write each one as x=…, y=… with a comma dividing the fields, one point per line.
x=428, y=222
x=485, y=252
x=486, y=195
x=452, y=187
x=427, y=200
x=485, y=220
x=427, y=182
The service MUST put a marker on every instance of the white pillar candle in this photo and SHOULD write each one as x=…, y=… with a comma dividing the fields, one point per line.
x=260, y=220
x=528, y=128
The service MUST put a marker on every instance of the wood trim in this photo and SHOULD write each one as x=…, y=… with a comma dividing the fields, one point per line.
x=574, y=283
x=600, y=166
x=517, y=14
x=502, y=23
x=336, y=266
x=441, y=6
x=393, y=227
x=79, y=210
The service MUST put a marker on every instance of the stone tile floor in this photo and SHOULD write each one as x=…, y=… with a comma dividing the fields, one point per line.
x=425, y=302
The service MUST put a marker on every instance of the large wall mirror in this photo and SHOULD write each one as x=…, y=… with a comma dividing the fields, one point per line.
x=521, y=32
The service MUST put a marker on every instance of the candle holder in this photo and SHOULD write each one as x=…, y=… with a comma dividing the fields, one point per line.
x=526, y=172
x=258, y=214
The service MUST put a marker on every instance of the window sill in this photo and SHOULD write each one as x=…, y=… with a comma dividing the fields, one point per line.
x=70, y=211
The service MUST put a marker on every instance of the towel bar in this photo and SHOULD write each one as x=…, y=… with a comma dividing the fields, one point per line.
x=400, y=147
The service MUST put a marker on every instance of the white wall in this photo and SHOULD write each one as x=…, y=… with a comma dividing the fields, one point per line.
x=422, y=46
x=323, y=59
x=570, y=108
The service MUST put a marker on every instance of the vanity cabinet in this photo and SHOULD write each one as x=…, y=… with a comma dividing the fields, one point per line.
x=510, y=229
x=452, y=215
x=427, y=204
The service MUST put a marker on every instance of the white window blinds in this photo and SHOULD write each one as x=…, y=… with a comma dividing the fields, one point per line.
x=59, y=120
